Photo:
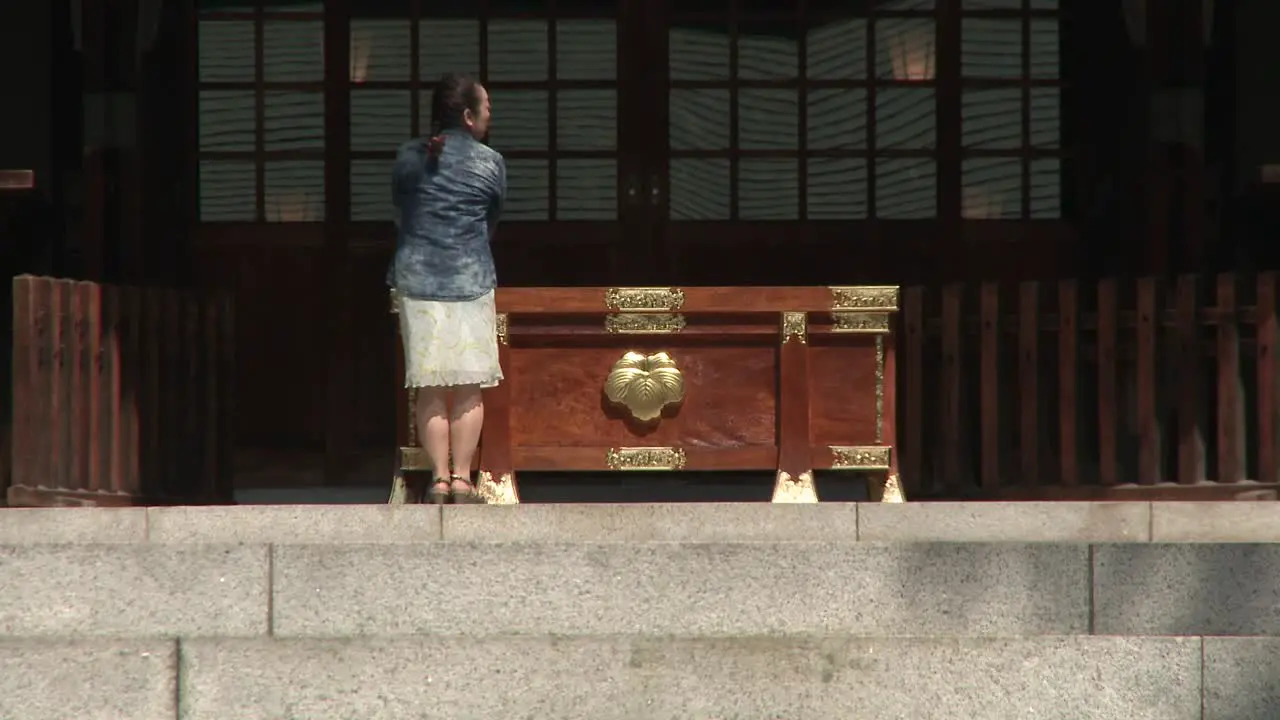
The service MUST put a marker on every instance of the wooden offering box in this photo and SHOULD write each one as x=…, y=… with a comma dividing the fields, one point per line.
x=790, y=379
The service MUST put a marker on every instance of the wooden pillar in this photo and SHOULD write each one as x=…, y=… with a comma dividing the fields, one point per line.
x=795, y=463
x=887, y=429
x=497, y=482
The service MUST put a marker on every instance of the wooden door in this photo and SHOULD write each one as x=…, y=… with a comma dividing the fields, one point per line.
x=760, y=149
x=854, y=141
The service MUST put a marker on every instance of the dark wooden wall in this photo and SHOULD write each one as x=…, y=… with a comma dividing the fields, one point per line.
x=314, y=339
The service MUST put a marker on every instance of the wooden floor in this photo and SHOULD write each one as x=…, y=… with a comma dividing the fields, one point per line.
x=283, y=476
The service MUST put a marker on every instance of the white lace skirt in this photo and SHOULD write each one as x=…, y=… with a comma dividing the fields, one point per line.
x=449, y=343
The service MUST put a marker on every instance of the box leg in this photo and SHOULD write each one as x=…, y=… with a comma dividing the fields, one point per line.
x=798, y=489
x=794, y=483
x=500, y=490
x=886, y=488
x=497, y=480
x=399, y=490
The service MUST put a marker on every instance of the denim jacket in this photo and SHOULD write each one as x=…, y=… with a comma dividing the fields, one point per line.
x=447, y=208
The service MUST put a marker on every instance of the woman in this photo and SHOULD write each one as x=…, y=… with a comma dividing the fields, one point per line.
x=448, y=193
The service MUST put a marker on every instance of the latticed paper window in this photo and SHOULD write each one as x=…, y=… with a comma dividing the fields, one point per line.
x=1010, y=110
x=822, y=110
x=555, y=97
x=261, y=111
x=774, y=116
x=830, y=110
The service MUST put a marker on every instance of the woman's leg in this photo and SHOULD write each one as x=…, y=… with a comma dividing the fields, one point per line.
x=433, y=429
x=465, y=423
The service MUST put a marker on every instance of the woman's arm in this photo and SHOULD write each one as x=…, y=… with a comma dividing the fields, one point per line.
x=498, y=194
x=411, y=163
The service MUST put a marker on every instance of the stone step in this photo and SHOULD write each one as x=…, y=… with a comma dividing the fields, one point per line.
x=642, y=678
x=1096, y=522
x=645, y=588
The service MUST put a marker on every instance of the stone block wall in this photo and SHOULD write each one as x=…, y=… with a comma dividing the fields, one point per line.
x=984, y=611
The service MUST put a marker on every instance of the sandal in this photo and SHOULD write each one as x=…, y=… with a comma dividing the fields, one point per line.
x=439, y=492
x=464, y=493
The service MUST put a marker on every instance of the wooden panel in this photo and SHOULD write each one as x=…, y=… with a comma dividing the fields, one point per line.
x=149, y=328
x=556, y=395
x=59, y=427
x=277, y=278
x=374, y=376
x=989, y=402
x=849, y=253
x=1145, y=376
x=1230, y=410
x=951, y=418
x=127, y=336
x=1268, y=390
x=1107, y=336
x=1068, y=374
x=30, y=452
x=842, y=380
x=1191, y=450
x=562, y=254
x=77, y=350
x=1029, y=381
x=1131, y=358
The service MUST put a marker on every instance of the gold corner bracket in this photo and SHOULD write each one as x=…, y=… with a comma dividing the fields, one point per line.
x=864, y=322
x=644, y=323
x=795, y=326
x=644, y=299
x=865, y=297
x=868, y=457
x=645, y=458
x=501, y=323
x=884, y=486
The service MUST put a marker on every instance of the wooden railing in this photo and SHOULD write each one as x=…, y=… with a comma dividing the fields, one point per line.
x=1090, y=389
x=121, y=395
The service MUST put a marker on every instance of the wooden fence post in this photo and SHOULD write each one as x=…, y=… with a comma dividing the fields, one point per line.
x=118, y=407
